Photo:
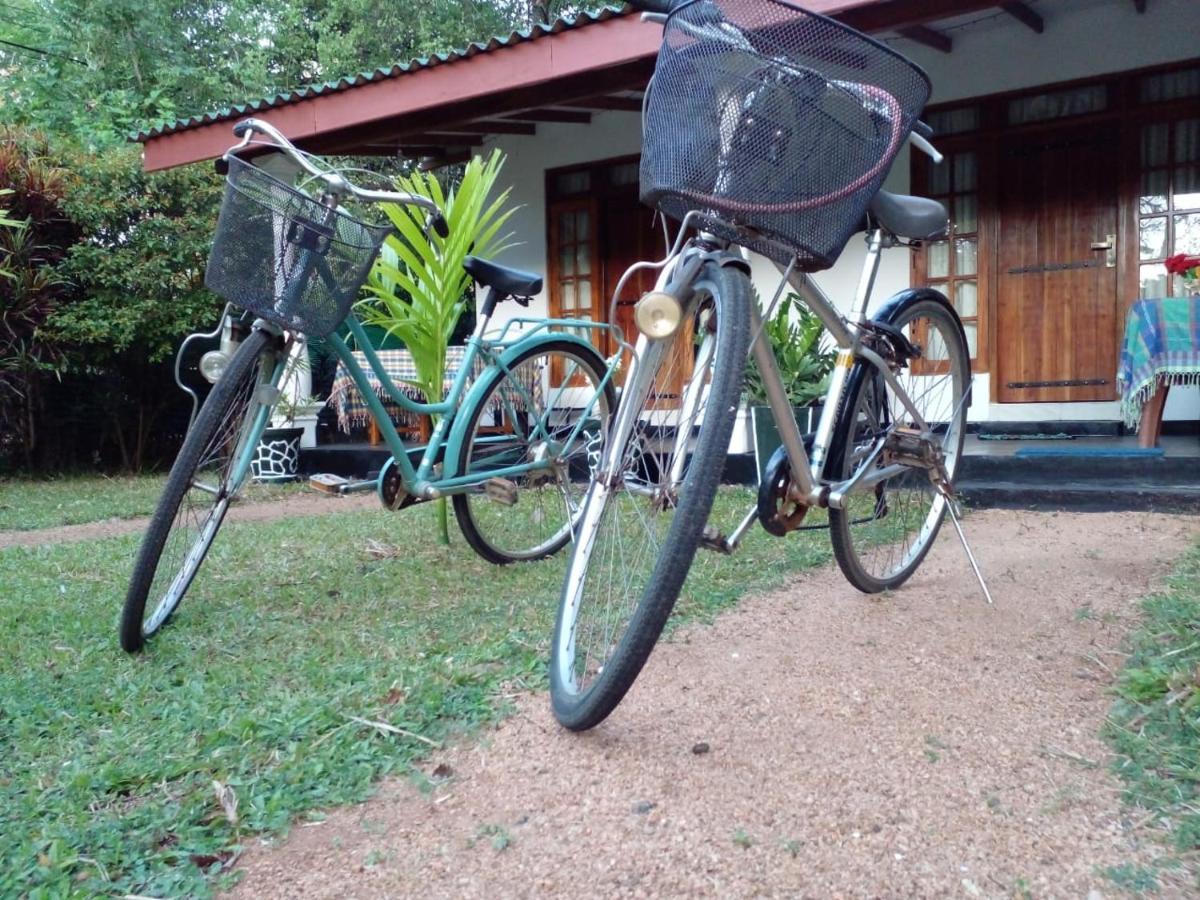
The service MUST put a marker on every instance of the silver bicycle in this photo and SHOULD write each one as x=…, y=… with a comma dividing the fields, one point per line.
x=770, y=129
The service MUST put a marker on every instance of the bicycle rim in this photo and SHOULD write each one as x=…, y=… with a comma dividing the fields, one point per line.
x=548, y=410
x=883, y=533
x=639, y=530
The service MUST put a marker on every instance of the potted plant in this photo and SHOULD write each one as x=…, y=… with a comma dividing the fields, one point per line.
x=794, y=333
x=277, y=457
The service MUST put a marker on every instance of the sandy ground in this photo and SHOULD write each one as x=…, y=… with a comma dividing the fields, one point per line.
x=309, y=503
x=812, y=743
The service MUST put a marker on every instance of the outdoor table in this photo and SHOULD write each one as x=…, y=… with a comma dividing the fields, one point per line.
x=1161, y=348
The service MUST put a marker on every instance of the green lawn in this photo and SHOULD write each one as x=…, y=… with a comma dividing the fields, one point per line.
x=294, y=633
x=1154, y=726
x=28, y=504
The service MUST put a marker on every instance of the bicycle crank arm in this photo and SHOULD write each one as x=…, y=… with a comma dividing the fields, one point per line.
x=712, y=539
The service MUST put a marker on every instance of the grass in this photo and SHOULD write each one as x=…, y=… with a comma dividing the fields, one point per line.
x=1154, y=726
x=26, y=504
x=300, y=670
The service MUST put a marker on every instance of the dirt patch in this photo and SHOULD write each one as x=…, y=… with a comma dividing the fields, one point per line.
x=812, y=743
x=309, y=503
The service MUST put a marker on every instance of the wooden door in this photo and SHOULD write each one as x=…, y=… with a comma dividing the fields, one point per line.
x=1056, y=326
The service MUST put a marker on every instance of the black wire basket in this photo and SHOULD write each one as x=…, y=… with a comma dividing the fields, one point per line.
x=283, y=256
x=776, y=125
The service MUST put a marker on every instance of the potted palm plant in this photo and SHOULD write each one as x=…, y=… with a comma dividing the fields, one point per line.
x=794, y=333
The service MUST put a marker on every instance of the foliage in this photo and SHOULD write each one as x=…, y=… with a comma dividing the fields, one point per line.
x=32, y=289
x=1154, y=725
x=268, y=681
x=418, y=285
x=795, y=335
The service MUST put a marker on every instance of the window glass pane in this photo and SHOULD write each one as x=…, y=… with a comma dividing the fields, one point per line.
x=953, y=121
x=964, y=171
x=939, y=178
x=1155, y=141
x=1153, y=281
x=1187, y=187
x=1153, y=238
x=939, y=259
x=935, y=348
x=965, y=253
x=1170, y=86
x=971, y=330
x=582, y=262
x=568, y=295
x=1054, y=105
x=966, y=298
x=584, y=290
x=573, y=182
x=1154, y=192
x=566, y=261
x=582, y=220
x=626, y=173
x=966, y=214
x=566, y=228
x=1187, y=233
x=1187, y=140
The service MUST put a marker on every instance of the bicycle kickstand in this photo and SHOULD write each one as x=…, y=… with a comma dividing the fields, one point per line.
x=952, y=508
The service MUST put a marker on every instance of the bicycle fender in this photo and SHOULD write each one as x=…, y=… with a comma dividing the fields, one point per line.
x=458, y=431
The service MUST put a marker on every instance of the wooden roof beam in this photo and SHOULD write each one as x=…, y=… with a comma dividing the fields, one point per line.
x=923, y=34
x=1024, y=14
x=494, y=126
x=570, y=116
x=883, y=15
x=625, y=104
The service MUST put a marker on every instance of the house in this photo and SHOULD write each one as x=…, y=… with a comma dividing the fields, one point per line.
x=1071, y=130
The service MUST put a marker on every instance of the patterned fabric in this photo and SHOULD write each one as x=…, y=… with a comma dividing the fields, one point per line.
x=1162, y=346
x=352, y=409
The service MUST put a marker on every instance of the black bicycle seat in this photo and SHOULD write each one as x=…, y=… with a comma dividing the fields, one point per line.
x=917, y=218
x=502, y=278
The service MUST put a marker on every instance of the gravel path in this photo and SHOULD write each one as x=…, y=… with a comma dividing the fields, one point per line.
x=309, y=503
x=812, y=743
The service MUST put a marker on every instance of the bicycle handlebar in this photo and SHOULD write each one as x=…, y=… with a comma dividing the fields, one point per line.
x=334, y=182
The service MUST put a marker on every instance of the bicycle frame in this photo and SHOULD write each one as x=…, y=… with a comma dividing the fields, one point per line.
x=449, y=432
x=680, y=277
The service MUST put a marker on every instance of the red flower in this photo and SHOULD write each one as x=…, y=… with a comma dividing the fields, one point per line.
x=1180, y=263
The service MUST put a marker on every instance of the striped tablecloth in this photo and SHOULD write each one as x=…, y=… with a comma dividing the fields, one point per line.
x=1162, y=347
x=352, y=409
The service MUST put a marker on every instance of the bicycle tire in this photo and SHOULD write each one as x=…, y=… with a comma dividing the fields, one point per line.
x=883, y=535
x=179, y=535
x=501, y=532
x=643, y=488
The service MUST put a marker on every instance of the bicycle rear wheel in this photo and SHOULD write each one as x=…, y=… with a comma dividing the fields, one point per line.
x=532, y=414
x=207, y=473
x=640, y=525
x=883, y=533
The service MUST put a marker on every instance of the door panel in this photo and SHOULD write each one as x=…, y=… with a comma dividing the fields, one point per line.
x=1057, y=297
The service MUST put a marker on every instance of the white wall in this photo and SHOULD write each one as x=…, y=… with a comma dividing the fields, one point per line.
x=992, y=53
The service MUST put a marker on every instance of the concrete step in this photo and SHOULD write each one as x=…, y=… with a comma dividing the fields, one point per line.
x=1131, y=494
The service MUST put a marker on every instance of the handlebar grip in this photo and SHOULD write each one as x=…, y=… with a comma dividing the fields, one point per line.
x=438, y=223
x=242, y=127
x=922, y=129
x=221, y=165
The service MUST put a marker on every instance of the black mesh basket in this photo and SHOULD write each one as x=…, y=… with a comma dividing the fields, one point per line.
x=285, y=257
x=775, y=124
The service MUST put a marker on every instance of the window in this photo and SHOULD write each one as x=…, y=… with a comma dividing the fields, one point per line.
x=1169, y=201
x=952, y=265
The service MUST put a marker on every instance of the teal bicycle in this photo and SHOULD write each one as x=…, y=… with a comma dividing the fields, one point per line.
x=514, y=447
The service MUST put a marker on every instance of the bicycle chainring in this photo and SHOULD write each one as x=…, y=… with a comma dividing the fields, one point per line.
x=778, y=513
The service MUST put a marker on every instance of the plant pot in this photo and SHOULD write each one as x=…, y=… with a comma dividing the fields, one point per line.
x=742, y=440
x=766, y=435
x=277, y=456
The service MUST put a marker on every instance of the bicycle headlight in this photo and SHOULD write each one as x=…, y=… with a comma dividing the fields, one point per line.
x=658, y=315
x=212, y=365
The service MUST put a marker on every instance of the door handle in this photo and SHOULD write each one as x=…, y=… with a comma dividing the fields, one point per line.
x=1109, y=245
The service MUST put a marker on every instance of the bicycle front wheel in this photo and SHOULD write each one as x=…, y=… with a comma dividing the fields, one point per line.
x=642, y=521
x=883, y=533
x=549, y=411
x=204, y=479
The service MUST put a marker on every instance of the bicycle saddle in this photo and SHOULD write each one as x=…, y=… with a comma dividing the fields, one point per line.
x=502, y=278
x=916, y=218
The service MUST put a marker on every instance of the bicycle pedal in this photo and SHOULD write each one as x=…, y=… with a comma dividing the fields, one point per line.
x=501, y=490
x=712, y=539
